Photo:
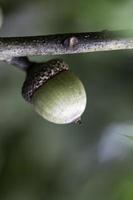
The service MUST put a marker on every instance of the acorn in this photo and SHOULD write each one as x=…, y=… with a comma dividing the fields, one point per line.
x=55, y=92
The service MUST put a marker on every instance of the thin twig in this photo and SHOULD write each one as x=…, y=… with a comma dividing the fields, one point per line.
x=64, y=44
x=22, y=63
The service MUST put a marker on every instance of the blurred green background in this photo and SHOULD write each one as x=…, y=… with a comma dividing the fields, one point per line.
x=40, y=160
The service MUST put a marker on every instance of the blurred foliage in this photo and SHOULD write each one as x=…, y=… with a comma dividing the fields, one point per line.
x=40, y=160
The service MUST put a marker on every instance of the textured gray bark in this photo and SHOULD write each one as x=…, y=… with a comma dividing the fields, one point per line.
x=64, y=44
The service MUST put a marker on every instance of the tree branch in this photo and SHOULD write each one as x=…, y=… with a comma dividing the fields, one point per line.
x=64, y=44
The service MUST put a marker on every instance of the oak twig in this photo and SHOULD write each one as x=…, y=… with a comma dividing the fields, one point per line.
x=20, y=62
x=69, y=43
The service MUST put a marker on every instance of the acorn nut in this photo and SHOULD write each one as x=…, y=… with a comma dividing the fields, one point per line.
x=56, y=93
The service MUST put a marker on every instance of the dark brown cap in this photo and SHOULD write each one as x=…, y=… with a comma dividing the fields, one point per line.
x=40, y=73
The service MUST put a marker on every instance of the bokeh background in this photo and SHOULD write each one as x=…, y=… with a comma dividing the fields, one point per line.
x=40, y=160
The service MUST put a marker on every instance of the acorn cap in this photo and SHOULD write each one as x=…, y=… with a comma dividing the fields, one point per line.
x=56, y=93
x=40, y=73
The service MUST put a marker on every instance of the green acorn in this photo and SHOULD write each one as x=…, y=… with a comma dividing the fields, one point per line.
x=56, y=93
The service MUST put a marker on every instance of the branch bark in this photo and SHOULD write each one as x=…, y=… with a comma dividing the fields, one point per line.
x=64, y=44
